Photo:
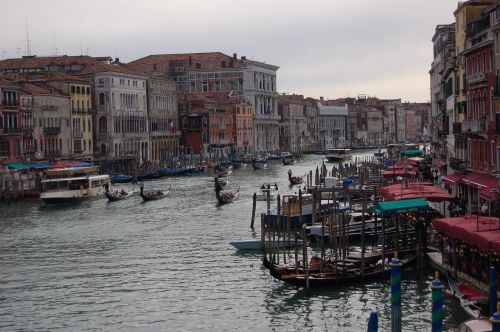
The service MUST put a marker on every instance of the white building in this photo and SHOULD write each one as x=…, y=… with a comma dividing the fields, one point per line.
x=332, y=126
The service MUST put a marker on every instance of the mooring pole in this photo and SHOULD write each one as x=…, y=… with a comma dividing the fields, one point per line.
x=373, y=322
x=437, y=304
x=492, y=290
x=253, y=209
x=495, y=319
x=396, y=294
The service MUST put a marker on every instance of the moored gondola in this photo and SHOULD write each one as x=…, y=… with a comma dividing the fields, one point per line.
x=294, y=179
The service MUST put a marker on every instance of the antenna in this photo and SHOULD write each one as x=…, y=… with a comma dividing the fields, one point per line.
x=54, y=41
x=81, y=47
x=18, y=51
x=87, y=50
x=28, y=48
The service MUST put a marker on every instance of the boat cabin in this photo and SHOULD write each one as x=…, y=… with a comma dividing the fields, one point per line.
x=292, y=203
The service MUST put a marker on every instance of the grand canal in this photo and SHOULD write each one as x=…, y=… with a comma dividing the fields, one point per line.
x=167, y=265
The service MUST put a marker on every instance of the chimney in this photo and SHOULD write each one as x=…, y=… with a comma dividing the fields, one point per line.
x=321, y=98
x=190, y=61
x=235, y=56
x=243, y=57
x=117, y=60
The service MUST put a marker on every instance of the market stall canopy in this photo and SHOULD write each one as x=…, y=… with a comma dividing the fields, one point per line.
x=415, y=190
x=16, y=165
x=41, y=166
x=404, y=205
x=453, y=178
x=398, y=172
x=488, y=187
x=481, y=232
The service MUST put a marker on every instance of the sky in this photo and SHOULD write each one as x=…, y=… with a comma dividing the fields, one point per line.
x=327, y=48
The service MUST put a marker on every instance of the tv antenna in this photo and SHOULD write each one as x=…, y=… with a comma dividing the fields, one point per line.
x=28, y=41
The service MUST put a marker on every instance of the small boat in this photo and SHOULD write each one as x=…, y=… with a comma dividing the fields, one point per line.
x=294, y=179
x=267, y=190
x=149, y=175
x=223, y=182
x=255, y=244
x=117, y=195
x=222, y=170
x=239, y=164
x=472, y=301
x=259, y=164
x=332, y=274
x=338, y=155
x=475, y=325
x=288, y=161
x=153, y=195
x=121, y=178
x=225, y=197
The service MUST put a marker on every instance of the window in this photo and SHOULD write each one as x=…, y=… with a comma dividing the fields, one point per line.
x=72, y=89
x=88, y=90
x=101, y=99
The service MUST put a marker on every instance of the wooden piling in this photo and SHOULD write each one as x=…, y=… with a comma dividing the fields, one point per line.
x=254, y=205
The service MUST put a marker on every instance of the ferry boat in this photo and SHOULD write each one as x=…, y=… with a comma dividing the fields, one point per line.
x=338, y=155
x=72, y=184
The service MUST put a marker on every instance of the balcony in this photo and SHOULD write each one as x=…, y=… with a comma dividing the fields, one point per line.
x=10, y=130
x=52, y=153
x=458, y=164
x=457, y=128
x=77, y=134
x=103, y=136
x=477, y=78
x=52, y=130
x=474, y=126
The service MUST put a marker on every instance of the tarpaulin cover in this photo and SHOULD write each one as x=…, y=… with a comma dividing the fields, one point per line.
x=39, y=166
x=398, y=172
x=404, y=205
x=16, y=165
x=415, y=190
x=411, y=152
x=453, y=178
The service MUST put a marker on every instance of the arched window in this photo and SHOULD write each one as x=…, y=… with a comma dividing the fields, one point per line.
x=103, y=125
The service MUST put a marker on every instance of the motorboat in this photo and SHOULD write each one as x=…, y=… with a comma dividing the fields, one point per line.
x=338, y=155
x=255, y=244
x=267, y=190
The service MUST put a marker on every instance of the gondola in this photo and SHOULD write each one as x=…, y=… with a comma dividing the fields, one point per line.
x=149, y=176
x=239, y=164
x=332, y=275
x=259, y=164
x=225, y=197
x=116, y=195
x=153, y=195
x=472, y=301
x=294, y=179
x=288, y=161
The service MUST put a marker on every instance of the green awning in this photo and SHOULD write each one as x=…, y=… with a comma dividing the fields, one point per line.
x=16, y=165
x=403, y=205
x=411, y=152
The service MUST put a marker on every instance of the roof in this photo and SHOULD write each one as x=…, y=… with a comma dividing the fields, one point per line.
x=207, y=60
x=404, y=205
x=398, y=172
x=487, y=185
x=332, y=110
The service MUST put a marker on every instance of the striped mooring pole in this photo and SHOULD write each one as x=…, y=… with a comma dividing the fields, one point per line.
x=492, y=290
x=437, y=304
x=373, y=322
x=395, y=294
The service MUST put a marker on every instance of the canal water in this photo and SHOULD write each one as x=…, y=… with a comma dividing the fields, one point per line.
x=167, y=265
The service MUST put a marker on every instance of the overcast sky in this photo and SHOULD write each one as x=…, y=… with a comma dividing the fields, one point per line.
x=324, y=48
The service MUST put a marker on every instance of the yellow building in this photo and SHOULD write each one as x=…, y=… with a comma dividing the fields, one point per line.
x=80, y=92
x=244, y=128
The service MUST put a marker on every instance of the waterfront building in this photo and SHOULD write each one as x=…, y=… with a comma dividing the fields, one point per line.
x=243, y=128
x=442, y=78
x=208, y=125
x=10, y=123
x=331, y=126
x=121, y=125
x=51, y=114
x=293, y=122
x=164, y=131
x=310, y=141
x=252, y=81
x=81, y=145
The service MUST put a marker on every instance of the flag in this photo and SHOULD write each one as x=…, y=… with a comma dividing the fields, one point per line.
x=171, y=125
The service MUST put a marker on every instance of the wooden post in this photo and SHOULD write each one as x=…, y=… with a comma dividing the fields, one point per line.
x=262, y=234
x=363, y=236
x=253, y=209
x=306, y=260
x=281, y=229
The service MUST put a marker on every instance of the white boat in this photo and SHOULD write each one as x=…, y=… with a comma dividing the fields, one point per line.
x=255, y=244
x=72, y=184
x=271, y=189
x=475, y=325
x=338, y=155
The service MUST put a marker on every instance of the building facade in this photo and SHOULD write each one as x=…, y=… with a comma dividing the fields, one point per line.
x=10, y=123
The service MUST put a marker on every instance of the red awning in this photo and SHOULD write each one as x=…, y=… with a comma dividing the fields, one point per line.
x=399, y=172
x=466, y=229
x=438, y=165
x=484, y=183
x=453, y=178
x=415, y=190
